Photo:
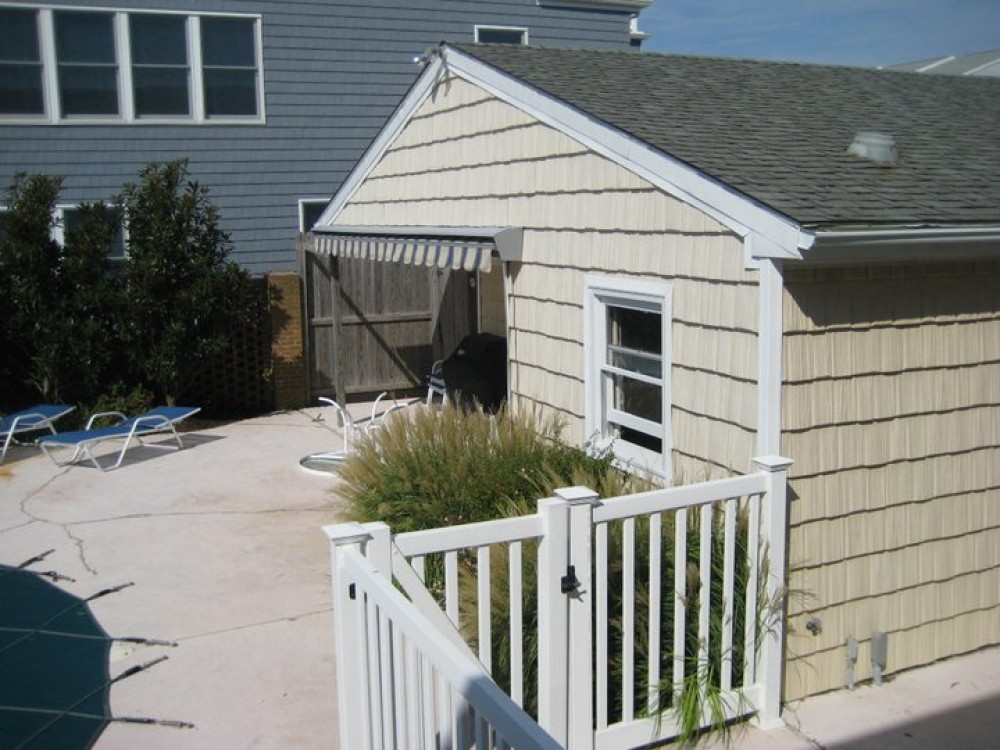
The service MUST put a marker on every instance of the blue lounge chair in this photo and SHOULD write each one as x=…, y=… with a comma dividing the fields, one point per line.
x=159, y=420
x=38, y=417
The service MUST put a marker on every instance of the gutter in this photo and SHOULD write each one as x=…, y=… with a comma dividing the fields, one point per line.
x=901, y=244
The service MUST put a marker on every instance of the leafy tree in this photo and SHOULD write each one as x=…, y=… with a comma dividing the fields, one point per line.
x=29, y=260
x=182, y=294
x=90, y=356
x=59, y=304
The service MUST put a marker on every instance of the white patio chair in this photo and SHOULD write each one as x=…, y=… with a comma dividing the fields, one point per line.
x=327, y=462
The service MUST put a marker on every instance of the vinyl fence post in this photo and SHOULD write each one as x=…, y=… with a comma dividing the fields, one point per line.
x=774, y=530
x=580, y=698
x=553, y=620
x=378, y=550
x=349, y=633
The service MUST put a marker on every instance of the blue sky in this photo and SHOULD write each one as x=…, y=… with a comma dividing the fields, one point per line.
x=848, y=32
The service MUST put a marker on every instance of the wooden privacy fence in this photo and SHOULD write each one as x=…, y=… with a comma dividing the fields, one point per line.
x=590, y=618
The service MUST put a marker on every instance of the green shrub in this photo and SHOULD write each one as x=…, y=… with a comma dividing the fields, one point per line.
x=73, y=325
x=447, y=466
x=183, y=296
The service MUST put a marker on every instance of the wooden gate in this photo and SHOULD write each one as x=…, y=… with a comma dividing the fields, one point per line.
x=378, y=326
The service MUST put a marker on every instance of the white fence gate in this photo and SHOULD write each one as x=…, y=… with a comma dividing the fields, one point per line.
x=578, y=626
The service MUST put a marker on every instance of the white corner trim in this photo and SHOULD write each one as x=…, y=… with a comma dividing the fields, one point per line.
x=769, y=343
x=774, y=235
x=417, y=95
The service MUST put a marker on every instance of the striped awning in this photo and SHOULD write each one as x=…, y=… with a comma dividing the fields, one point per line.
x=457, y=248
x=456, y=254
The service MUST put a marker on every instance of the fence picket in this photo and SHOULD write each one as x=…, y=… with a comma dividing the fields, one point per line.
x=628, y=619
x=655, y=602
x=705, y=592
x=728, y=588
x=753, y=587
x=680, y=596
x=601, y=616
x=405, y=699
x=484, y=585
x=515, y=586
x=451, y=587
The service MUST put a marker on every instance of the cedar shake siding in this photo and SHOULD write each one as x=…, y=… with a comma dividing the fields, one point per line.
x=466, y=158
x=892, y=413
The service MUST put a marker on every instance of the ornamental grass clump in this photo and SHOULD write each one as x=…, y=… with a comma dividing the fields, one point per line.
x=441, y=467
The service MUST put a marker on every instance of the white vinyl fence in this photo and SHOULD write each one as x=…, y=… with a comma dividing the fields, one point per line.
x=578, y=626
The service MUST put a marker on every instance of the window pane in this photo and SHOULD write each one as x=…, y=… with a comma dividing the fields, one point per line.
x=635, y=329
x=641, y=439
x=88, y=90
x=21, y=90
x=228, y=42
x=230, y=92
x=159, y=40
x=88, y=75
x=20, y=64
x=85, y=37
x=643, y=400
x=628, y=359
x=18, y=35
x=161, y=91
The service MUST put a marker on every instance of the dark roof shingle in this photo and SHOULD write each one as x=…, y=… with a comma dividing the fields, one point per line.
x=779, y=132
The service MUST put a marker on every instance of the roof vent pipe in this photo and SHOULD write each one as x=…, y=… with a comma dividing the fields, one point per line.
x=878, y=147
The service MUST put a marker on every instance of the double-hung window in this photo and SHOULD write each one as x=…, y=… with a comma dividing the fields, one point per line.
x=21, y=86
x=68, y=66
x=627, y=351
x=161, y=73
x=86, y=63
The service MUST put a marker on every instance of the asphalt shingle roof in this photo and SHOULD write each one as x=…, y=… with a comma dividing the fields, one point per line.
x=779, y=132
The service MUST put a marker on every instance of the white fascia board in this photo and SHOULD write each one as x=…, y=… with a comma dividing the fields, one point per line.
x=768, y=233
x=422, y=88
x=632, y=5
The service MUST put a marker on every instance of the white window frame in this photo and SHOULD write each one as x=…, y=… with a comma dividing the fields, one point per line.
x=522, y=30
x=126, y=102
x=600, y=293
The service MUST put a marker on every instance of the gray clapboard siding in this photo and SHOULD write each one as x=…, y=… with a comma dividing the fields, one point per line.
x=334, y=72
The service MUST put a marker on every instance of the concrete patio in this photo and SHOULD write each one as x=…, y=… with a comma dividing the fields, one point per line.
x=222, y=545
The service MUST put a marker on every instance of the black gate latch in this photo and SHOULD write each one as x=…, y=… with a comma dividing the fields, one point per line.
x=569, y=582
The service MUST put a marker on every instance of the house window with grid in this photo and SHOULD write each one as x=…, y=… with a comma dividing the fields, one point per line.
x=71, y=65
x=628, y=364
